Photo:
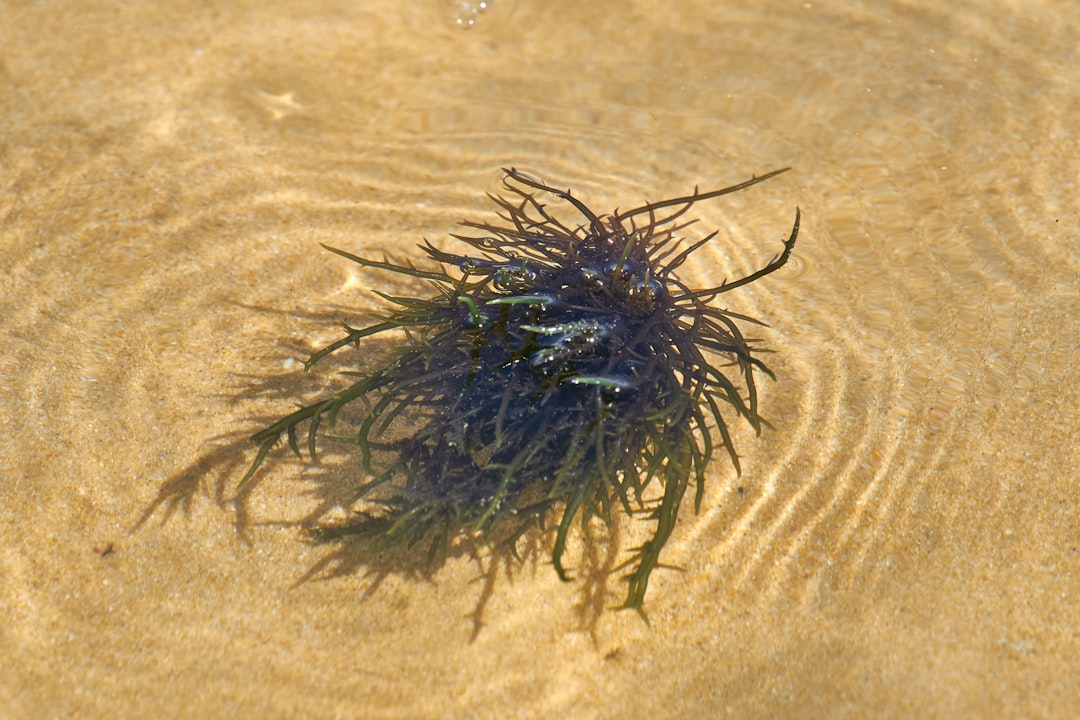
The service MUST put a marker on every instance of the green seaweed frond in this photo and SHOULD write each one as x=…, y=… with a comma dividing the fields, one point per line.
x=557, y=374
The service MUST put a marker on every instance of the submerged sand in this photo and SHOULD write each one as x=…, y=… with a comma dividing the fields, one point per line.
x=903, y=542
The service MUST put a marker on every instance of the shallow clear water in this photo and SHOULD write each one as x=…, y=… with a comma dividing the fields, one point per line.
x=901, y=542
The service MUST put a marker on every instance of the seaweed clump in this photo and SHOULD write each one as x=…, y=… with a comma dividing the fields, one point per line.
x=557, y=373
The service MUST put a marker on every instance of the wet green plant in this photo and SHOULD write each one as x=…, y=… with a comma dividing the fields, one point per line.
x=556, y=374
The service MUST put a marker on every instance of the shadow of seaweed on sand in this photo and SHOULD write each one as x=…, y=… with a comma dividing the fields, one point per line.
x=214, y=475
x=331, y=480
x=495, y=563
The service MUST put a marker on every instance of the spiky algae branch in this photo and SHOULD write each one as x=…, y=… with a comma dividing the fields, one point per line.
x=556, y=373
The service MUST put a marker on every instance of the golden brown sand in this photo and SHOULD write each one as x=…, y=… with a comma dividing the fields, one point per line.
x=904, y=542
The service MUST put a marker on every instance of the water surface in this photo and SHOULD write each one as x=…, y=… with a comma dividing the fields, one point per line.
x=903, y=541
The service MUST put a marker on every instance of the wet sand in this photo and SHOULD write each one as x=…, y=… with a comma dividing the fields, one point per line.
x=902, y=542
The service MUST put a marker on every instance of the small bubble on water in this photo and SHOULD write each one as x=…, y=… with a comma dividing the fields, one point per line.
x=465, y=15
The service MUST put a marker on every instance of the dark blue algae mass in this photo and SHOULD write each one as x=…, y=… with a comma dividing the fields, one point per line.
x=557, y=373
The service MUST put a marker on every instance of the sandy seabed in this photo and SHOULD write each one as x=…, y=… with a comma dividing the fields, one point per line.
x=902, y=543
